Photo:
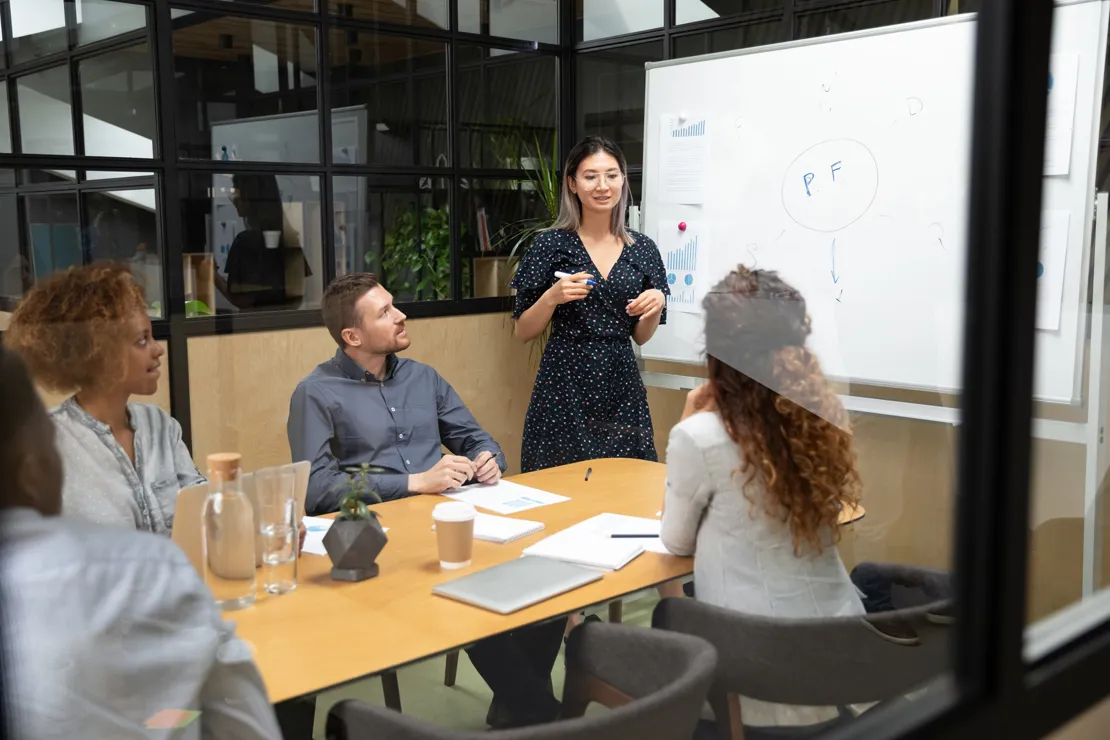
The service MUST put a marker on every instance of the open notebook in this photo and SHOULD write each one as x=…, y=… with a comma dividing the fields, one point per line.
x=588, y=543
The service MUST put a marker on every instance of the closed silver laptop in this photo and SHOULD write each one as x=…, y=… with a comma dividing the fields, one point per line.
x=511, y=586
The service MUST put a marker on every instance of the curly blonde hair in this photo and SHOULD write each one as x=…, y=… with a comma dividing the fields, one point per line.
x=71, y=329
x=778, y=407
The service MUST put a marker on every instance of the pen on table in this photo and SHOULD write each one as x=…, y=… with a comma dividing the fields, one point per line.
x=561, y=275
x=632, y=536
x=588, y=471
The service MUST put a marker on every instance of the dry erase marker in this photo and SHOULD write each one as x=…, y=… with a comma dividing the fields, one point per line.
x=632, y=536
x=563, y=275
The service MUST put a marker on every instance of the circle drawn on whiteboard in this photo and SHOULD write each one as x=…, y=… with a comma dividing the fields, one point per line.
x=1040, y=269
x=830, y=185
x=689, y=279
x=671, y=278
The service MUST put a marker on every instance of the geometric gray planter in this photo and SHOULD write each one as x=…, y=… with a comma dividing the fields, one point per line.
x=353, y=546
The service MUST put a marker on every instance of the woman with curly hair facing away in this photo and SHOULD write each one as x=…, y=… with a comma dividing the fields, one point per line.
x=762, y=462
x=86, y=331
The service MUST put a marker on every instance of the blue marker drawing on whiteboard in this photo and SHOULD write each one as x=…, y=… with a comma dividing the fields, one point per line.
x=807, y=178
x=835, y=277
x=834, y=167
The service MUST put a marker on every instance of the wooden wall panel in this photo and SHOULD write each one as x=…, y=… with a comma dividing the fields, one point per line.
x=240, y=384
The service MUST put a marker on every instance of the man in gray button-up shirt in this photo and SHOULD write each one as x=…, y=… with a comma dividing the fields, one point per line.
x=366, y=405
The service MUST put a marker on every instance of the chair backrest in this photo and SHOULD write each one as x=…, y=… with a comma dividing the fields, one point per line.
x=676, y=675
x=825, y=661
x=187, y=532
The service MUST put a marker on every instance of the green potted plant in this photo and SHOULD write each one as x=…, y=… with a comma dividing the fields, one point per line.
x=356, y=538
x=416, y=261
x=543, y=177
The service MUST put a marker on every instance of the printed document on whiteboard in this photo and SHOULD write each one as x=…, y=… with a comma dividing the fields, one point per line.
x=1063, y=77
x=681, y=250
x=1050, y=268
x=684, y=159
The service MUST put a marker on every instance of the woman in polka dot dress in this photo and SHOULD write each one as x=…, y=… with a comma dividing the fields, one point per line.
x=589, y=401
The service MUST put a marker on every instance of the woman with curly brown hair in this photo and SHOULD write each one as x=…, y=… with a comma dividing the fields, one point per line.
x=762, y=462
x=86, y=331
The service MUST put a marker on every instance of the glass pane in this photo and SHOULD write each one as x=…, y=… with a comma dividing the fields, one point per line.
x=15, y=267
x=114, y=175
x=507, y=106
x=964, y=6
x=53, y=231
x=691, y=11
x=45, y=112
x=289, y=4
x=728, y=39
x=599, y=19
x=252, y=242
x=117, y=98
x=531, y=20
x=246, y=89
x=1069, y=519
x=98, y=20
x=47, y=177
x=610, y=87
x=857, y=19
x=38, y=29
x=496, y=215
x=424, y=13
x=5, y=120
x=123, y=225
x=389, y=98
x=398, y=228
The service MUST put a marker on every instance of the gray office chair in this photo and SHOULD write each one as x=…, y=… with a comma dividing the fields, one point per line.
x=836, y=661
x=656, y=680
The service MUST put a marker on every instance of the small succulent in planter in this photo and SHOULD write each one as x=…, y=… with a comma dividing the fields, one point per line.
x=356, y=538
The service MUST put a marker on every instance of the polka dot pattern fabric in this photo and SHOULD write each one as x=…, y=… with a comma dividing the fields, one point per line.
x=589, y=401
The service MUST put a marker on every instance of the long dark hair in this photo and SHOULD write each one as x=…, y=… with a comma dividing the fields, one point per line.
x=777, y=406
x=570, y=207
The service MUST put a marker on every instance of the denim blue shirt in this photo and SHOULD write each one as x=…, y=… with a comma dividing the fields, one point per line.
x=102, y=484
x=342, y=416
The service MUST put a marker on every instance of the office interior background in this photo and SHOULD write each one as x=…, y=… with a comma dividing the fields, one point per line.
x=410, y=138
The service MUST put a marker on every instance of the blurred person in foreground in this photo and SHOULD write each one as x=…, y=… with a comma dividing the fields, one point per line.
x=107, y=633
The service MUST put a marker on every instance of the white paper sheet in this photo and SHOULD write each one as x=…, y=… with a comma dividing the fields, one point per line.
x=1050, y=268
x=680, y=252
x=317, y=527
x=505, y=497
x=605, y=525
x=1060, y=121
x=684, y=159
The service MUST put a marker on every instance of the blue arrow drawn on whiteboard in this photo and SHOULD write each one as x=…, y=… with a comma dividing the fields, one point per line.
x=833, y=272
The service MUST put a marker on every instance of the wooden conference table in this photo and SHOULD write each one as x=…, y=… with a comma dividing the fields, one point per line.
x=328, y=633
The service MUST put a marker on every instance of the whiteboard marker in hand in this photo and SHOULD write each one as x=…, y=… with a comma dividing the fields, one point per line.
x=564, y=275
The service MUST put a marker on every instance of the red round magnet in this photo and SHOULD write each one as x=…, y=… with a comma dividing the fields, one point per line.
x=682, y=226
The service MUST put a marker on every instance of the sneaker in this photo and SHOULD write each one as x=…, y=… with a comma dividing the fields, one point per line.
x=946, y=614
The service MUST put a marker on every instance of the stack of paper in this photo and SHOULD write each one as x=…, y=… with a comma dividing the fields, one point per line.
x=590, y=543
x=505, y=497
x=502, y=529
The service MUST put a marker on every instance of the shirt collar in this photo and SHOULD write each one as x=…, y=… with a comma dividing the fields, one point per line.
x=75, y=411
x=355, y=371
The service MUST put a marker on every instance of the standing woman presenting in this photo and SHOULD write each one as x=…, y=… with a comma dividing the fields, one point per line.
x=589, y=401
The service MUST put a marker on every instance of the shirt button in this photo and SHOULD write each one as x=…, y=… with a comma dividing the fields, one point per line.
x=407, y=462
x=392, y=409
x=400, y=436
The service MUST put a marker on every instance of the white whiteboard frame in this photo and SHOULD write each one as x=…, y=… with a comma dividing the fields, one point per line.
x=1084, y=327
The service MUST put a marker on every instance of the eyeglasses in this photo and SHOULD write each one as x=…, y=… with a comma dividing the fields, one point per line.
x=592, y=180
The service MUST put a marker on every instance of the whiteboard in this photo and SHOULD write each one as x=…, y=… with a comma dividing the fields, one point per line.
x=886, y=299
